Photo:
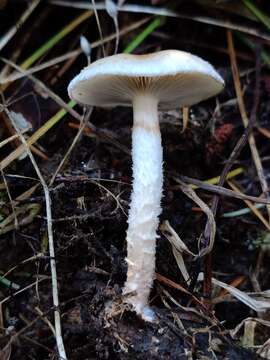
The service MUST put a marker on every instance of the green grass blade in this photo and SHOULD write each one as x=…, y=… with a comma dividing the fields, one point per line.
x=55, y=39
x=264, y=19
x=158, y=21
x=265, y=56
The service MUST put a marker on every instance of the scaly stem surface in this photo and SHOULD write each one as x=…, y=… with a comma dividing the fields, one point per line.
x=145, y=203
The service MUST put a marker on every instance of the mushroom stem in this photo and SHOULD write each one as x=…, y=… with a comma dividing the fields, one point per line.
x=145, y=203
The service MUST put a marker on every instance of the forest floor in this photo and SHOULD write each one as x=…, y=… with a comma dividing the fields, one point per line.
x=90, y=192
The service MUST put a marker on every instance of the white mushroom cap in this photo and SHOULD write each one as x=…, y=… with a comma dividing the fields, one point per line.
x=174, y=77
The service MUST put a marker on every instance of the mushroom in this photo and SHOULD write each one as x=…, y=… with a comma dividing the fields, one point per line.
x=163, y=80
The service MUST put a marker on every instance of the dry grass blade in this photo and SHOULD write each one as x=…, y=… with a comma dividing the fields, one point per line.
x=39, y=133
x=189, y=310
x=252, y=207
x=187, y=190
x=27, y=213
x=178, y=246
x=49, y=92
x=8, y=36
x=204, y=313
x=257, y=305
x=31, y=259
x=227, y=24
x=26, y=194
x=264, y=351
x=57, y=317
x=251, y=139
x=221, y=190
x=185, y=118
x=249, y=334
x=9, y=139
x=264, y=132
x=236, y=330
x=15, y=138
x=99, y=27
x=174, y=238
x=223, y=293
x=45, y=319
x=226, y=174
